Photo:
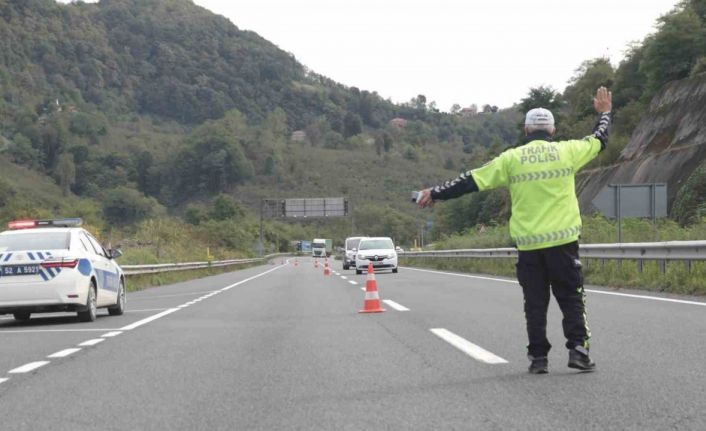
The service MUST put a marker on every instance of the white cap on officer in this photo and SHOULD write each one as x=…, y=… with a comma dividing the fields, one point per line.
x=539, y=117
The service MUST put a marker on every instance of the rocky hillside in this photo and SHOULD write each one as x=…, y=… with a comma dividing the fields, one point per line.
x=667, y=146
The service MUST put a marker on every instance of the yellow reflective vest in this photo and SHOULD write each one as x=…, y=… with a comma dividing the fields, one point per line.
x=540, y=176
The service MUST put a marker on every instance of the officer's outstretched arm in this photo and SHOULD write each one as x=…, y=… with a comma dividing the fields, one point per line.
x=603, y=104
x=459, y=186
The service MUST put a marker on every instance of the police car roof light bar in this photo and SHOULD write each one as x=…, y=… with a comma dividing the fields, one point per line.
x=64, y=222
x=22, y=224
x=30, y=224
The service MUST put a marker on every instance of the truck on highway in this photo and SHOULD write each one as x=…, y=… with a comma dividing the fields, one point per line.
x=321, y=247
x=304, y=246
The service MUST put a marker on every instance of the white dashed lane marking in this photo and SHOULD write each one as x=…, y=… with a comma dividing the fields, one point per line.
x=28, y=367
x=64, y=353
x=145, y=310
x=114, y=332
x=476, y=352
x=174, y=295
x=352, y=282
x=148, y=319
x=395, y=305
x=92, y=342
x=111, y=334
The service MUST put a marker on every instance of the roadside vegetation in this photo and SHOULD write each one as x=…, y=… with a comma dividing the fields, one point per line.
x=163, y=126
x=677, y=278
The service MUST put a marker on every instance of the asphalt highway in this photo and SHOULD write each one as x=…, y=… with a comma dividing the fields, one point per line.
x=283, y=347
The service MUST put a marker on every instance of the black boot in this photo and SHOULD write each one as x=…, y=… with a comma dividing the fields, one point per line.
x=538, y=365
x=579, y=359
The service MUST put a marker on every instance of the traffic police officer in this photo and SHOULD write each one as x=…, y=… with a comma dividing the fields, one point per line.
x=545, y=223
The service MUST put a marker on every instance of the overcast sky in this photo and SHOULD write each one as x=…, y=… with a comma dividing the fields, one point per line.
x=452, y=51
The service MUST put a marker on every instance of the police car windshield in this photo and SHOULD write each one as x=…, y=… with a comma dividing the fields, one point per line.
x=30, y=241
x=376, y=244
x=352, y=243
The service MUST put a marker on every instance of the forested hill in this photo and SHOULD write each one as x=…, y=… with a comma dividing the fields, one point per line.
x=140, y=108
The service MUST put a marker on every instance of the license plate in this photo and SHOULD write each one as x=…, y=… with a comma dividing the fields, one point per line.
x=6, y=271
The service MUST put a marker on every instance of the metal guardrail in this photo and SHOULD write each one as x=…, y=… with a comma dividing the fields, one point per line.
x=166, y=267
x=686, y=251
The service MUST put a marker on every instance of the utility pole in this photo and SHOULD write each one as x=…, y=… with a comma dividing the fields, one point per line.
x=261, y=246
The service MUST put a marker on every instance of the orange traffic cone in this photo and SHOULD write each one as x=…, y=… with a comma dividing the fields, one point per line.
x=296, y=262
x=327, y=269
x=316, y=263
x=372, y=298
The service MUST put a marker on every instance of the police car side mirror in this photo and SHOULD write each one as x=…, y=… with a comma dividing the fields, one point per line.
x=115, y=253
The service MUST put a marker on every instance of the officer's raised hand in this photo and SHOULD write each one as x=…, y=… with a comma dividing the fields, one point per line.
x=603, y=102
x=424, y=200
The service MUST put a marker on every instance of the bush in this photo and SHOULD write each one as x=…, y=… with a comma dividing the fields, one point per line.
x=6, y=193
x=123, y=206
x=224, y=208
x=23, y=152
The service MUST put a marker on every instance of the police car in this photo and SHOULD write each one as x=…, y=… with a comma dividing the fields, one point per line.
x=55, y=265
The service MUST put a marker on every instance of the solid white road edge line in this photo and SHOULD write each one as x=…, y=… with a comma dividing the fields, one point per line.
x=454, y=274
x=653, y=298
x=476, y=352
x=64, y=353
x=601, y=292
x=37, y=331
x=396, y=306
x=92, y=342
x=28, y=367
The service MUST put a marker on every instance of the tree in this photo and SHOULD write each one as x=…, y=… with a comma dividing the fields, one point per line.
x=455, y=108
x=352, y=125
x=582, y=86
x=194, y=215
x=23, y=152
x=66, y=172
x=124, y=206
x=672, y=52
x=420, y=102
x=387, y=141
x=224, y=208
x=379, y=144
x=7, y=192
x=541, y=97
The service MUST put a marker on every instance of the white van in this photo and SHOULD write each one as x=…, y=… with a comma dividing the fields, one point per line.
x=350, y=249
